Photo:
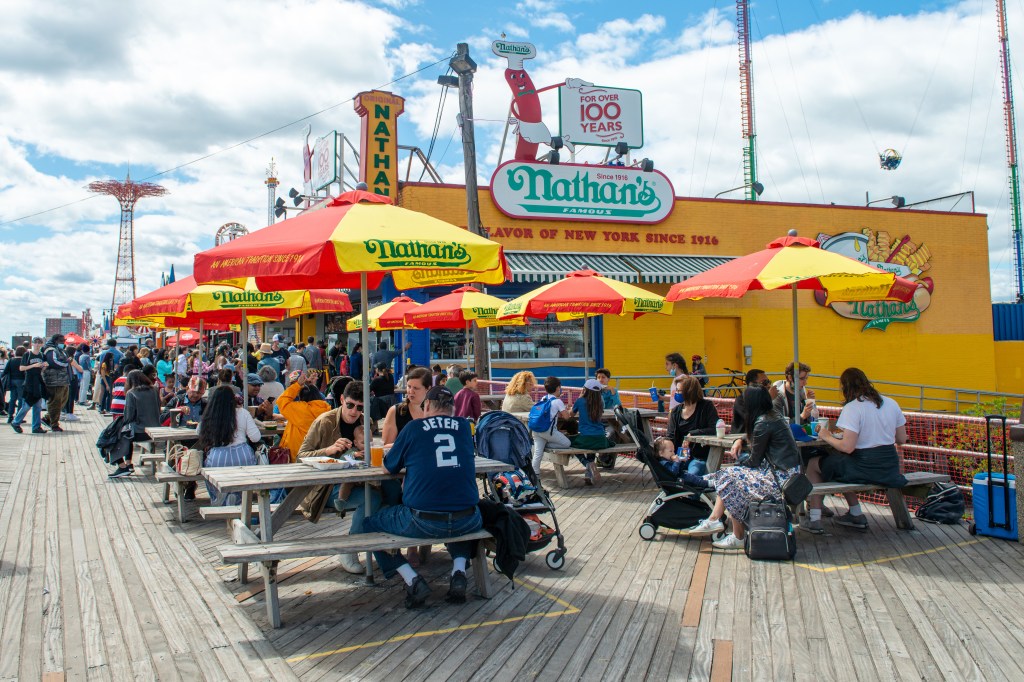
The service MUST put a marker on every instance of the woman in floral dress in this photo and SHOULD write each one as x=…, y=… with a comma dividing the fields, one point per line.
x=771, y=444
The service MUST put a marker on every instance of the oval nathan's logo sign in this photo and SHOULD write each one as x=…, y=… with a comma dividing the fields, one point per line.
x=901, y=257
x=616, y=194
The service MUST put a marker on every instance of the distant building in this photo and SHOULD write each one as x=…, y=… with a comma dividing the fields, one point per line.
x=65, y=324
x=20, y=339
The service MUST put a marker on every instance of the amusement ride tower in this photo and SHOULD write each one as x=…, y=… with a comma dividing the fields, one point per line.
x=127, y=194
x=271, y=183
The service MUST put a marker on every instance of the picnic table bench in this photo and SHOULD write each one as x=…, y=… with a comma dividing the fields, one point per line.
x=249, y=548
x=561, y=457
x=258, y=481
x=897, y=496
x=168, y=477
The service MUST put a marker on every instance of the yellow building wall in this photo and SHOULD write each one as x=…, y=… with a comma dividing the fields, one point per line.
x=950, y=345
x=1009, y=366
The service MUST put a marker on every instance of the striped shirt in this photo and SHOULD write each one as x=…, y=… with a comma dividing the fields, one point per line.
x=117, y=397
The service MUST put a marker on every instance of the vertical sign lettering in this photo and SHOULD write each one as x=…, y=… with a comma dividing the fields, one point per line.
x=378, y=154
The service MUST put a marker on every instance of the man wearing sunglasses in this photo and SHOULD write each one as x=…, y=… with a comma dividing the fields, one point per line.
x=333, y=434
x=754, y=378
x=439, y=495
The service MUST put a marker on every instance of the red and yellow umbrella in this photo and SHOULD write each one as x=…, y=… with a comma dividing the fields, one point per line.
x=185, y=338
x=458, y=309
x=584, y=293
x=385, y=317
x=796, y=263
x=352, y=236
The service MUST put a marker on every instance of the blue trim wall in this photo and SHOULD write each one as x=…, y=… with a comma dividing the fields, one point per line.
x=1008, y=321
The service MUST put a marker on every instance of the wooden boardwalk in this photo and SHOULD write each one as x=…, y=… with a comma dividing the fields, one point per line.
x=97, y=581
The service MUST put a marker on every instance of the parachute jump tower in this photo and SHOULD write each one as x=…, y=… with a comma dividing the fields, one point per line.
x=1011, y=153
x=127, y=194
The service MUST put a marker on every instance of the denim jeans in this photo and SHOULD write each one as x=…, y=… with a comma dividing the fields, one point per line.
x=697, y=467
x=390, y=493
x=16, y=399
x=36, y=408
x=400, y=520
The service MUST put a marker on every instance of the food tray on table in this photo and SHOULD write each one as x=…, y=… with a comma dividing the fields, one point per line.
x=330, y=463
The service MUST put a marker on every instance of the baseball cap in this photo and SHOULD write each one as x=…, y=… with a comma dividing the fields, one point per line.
x=253, y=379
x=593, y=385
x=695, y=357
x=292, y=349
x=277, y=337
x=440, y=394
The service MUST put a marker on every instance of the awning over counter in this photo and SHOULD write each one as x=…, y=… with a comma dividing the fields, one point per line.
x=531, y=266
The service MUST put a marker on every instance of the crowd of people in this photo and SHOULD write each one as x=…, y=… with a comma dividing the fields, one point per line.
x=318, y=393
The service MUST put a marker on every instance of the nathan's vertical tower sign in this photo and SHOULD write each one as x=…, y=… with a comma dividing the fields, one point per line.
x=378, y=154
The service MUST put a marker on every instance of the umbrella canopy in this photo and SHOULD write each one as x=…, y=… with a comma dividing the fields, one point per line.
x=353, y=234
x=388, y=316
x=73, y=339
x=584, y=293
x=800, y=262
x=185, y=296
x=459, y=308
x=185, y=338
x=796, y=263
x=214, y=320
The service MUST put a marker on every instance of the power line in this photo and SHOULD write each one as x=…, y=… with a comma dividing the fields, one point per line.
x=233, y=146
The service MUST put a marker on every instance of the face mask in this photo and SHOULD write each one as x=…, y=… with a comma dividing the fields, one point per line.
x=672, y=372
x=60, y=345
x=678, y=397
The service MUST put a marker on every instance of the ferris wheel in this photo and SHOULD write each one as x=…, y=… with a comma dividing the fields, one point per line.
x=229, y=231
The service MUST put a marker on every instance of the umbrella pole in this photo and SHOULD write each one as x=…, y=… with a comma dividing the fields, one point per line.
x=243, y=366
x=796, y=362
x=468, y=365
x=364, y=335
x=202, y=345
x=586, y=348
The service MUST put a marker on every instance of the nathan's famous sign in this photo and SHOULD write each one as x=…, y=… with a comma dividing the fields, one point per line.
x=541, y=191
x=901, y=257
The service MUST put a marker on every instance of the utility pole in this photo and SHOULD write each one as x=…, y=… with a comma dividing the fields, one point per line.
x=464, y=66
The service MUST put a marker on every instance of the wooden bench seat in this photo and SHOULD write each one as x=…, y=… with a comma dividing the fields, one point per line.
x=231, y=513
x=897, y=496
x=248, y=548
x=561, y=457
x=168, y=476
x=153, y=459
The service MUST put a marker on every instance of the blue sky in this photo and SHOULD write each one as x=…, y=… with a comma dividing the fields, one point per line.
x=101, y=85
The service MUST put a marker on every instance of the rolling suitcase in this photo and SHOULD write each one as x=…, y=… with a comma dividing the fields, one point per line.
x=995, y=494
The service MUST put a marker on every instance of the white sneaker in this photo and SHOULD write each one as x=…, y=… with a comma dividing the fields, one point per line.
x=70, y=417
x=351, y=563
x=730, y=541
x=707, y=527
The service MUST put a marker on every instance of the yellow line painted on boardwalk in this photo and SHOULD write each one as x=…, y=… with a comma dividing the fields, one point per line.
x=569, y=610
x=887, y=559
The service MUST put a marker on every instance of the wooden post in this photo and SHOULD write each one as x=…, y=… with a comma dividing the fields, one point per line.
x=464, y=66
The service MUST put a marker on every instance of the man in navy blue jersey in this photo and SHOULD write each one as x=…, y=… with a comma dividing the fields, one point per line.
x=439, y=495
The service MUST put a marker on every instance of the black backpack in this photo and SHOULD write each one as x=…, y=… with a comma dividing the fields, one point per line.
x=769, y=531
x=945, y=504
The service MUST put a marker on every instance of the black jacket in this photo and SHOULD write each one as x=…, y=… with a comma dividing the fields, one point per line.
x=511, y=535
x=702, y=423
x=774, y=440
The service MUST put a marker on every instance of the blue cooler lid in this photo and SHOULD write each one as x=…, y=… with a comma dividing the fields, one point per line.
x=982, y=479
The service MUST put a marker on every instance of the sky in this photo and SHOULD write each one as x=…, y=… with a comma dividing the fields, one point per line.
x=199, y=97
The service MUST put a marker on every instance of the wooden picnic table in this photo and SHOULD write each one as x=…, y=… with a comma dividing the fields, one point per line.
x=301, y=479
x=493, y=400
x=718, y=446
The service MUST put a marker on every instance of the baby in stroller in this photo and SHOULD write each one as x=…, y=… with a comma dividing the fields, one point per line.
x=676, y=465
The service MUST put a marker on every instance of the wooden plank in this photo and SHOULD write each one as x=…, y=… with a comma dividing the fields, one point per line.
x=721, y=663
x=335, y=544
x=695, y=595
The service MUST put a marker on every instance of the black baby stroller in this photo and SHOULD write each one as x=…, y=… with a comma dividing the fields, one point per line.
x=501, y=436
x=678, y=506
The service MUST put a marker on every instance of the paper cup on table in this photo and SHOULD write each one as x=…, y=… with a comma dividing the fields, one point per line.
x=822, y=424
x=720, y=431
x=376, y=456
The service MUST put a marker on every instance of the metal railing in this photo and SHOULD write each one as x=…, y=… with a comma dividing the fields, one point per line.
x=919, y=397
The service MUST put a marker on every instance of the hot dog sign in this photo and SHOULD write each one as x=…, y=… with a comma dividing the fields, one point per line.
x=901, y=256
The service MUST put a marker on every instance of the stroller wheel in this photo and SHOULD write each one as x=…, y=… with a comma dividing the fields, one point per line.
x=648, y=531
x=972, y=529
x=555, y=560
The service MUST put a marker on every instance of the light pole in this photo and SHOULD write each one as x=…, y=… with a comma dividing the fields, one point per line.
x=756, y=186
x=464, y=67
